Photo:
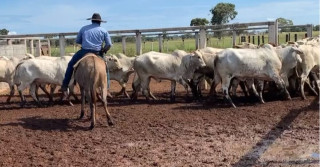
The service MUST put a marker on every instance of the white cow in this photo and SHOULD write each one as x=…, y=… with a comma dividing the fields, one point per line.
x=310, y=62
x=122, y=75
x=177, y=67
x=7, y=69
x=309, y=41
x=207, y=73
x=45, y=71
x=262, y=63
x=40, y=71
x=43, y=85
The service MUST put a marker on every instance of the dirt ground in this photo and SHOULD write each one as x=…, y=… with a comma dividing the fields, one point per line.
x=160, y=133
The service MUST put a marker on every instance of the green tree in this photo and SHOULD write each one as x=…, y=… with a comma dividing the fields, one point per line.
x=199, y=22
x=4, y=31
x=316, y=28
x=222, y=13
x=284, y=22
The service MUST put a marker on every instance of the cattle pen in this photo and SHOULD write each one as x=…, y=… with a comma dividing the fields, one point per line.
x=205, y=132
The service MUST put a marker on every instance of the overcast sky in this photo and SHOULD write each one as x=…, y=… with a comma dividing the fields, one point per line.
x=55, y=16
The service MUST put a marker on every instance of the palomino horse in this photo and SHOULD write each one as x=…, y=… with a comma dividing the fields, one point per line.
x=90, y=73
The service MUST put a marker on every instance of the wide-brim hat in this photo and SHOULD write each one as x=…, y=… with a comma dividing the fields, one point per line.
x=96, y=17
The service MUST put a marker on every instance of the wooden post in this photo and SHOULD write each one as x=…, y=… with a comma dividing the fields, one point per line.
x=183, y=43
x=262, y=38
x=273, y=32
x=160, y=42
x=62, y=45
x=124, y=46
x=152, y=45
x=31, y=47
x=203, y=38
x=25, y=44
x=138, y=43
x=39, y=47
x=287, y=37
x=234, y=35
x=243, y=39
x=295, y=37
x=196, y=36
x=309, y=30
x=49, y=47
x=258, y=39
x=253, y=41
x=167, y=45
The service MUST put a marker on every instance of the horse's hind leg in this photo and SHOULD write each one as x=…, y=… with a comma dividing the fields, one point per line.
x=104, y=101
x=92, y=102
x=83, y=101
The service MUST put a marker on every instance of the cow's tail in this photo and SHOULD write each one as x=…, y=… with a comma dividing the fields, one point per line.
x=215, y=62
x=216, y=77
x=297, y=73
x=17, y=74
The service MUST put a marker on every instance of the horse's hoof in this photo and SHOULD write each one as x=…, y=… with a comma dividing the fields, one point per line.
x=110, y=123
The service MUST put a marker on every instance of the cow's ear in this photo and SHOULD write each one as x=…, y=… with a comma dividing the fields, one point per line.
x=197, y=53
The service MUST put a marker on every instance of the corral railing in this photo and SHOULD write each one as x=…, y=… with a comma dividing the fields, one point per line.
x=200, y=34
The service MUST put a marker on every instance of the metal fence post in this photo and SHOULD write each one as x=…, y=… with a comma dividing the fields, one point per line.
x=138, y=43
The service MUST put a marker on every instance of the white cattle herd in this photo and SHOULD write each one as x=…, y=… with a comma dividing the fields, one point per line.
x=289, y=66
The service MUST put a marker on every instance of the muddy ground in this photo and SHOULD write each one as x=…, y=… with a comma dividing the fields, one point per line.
x=160, y=133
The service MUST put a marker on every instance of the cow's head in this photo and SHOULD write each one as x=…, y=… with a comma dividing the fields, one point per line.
x=113, y=63
x=197, y=60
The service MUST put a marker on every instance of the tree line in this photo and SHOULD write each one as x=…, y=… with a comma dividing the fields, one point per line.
x=222, y=13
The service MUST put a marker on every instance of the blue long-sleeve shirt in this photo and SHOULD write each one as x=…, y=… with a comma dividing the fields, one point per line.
x=92, y=36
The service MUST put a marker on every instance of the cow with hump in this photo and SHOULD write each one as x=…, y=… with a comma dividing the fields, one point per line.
x=263, y=63
x=176, y=67
x=122, y=75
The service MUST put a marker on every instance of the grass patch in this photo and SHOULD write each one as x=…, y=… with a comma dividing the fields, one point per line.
x=186, y=44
